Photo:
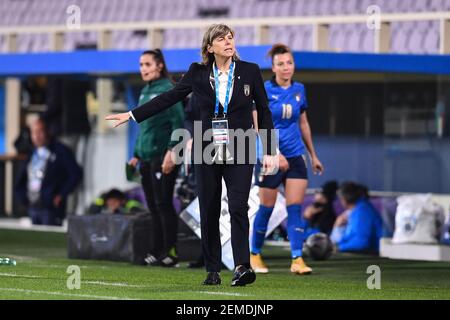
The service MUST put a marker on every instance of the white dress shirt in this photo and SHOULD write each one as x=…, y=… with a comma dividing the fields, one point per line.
x=223, y=82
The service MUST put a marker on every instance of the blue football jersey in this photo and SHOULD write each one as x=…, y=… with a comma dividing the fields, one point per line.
x=286, y=106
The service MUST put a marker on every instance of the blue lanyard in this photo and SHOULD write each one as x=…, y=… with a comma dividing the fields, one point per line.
x=227, y=94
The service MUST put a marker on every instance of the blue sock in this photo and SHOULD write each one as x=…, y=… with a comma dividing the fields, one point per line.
x=260, y=227
x=296, y=229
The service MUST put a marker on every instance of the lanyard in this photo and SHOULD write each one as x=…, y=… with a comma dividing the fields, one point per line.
x=227, y=94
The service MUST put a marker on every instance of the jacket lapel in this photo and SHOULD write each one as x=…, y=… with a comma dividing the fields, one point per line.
x=209, y=78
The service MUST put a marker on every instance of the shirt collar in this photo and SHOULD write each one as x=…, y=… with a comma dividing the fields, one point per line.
x=275, y=84
x=221, y=72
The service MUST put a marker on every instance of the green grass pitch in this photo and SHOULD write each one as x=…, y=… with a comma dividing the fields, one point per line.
x=42, y=264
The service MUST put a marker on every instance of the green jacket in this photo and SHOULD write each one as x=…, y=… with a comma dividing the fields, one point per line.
x=154, y=133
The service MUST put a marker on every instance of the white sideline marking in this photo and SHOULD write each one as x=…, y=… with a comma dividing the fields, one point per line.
x=223, y=293
x=19, y=275
x=24, y=224
x=56, y=293
x=102, y=283
x=115, y=284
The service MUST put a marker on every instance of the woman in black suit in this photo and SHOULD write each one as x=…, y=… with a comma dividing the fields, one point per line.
x=224, y=87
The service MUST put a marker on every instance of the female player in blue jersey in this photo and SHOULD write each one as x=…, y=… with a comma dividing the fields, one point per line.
x=287, y=102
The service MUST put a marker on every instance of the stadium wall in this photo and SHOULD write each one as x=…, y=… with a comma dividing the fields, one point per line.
x=385, y=164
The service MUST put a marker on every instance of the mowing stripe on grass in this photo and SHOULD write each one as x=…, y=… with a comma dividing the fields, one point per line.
x=75, y=295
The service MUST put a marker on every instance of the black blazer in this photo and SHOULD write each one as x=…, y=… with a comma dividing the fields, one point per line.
x=248, y=88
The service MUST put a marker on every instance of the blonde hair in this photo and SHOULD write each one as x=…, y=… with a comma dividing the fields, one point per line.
x=214, y=31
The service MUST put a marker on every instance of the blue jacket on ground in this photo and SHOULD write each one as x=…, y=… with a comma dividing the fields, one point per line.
x=364, y=229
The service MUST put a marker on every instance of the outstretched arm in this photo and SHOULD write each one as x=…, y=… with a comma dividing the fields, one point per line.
x=158, y=104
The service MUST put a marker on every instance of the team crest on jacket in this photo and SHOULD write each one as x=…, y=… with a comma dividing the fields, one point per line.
x=298, y=97
x=247, y=89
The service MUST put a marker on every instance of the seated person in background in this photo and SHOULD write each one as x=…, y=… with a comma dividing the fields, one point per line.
x=47, y=177
x=321, y=214
x=115, y=202
x=359, y=227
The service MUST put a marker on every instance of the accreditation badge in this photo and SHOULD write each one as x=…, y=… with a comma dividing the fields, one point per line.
x=220, y=131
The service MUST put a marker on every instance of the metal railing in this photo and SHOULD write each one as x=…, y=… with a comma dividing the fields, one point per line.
x=380, y=24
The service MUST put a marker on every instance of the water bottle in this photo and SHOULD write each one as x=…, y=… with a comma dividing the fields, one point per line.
x=7, y=262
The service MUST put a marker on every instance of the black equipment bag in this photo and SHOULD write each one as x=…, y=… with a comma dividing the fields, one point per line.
x=110, y=237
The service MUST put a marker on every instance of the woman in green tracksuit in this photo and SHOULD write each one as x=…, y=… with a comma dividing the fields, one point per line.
x=153, y=153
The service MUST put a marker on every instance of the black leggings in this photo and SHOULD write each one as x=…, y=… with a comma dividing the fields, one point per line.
x=158, y=189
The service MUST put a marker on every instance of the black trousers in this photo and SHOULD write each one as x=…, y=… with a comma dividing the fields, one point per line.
x=158, y=189
x=238, y=179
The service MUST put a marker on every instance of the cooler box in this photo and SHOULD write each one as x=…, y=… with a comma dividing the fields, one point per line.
x=110, y=237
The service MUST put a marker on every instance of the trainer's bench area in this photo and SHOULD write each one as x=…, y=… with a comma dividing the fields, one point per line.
x=414, y=251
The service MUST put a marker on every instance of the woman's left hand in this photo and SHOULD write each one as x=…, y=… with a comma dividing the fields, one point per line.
x=270, y=164
x=168, y=164
x=316, y=166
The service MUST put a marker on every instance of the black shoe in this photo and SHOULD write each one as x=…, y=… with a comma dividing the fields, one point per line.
x=213, y=278
x=243, y=276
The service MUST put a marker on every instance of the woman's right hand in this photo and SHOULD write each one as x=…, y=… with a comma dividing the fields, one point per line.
x=120, y=117
x=133, y=162
x=283, y=163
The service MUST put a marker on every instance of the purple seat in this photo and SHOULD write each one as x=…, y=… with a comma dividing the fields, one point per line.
x=352, y=7
x=338, y=37
x=280, y=8
x=420, y=6
x=437, y=5
x=298, y=8
x=417, y=37
x=301, y=38
x=354, y=38
x=309, y=8
x=244, y=36
x=401, y=32
x=337, y=7
x=368, y=41
x=323, y=7
x=280, y=34
x=119, y=39
x=431, y=41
